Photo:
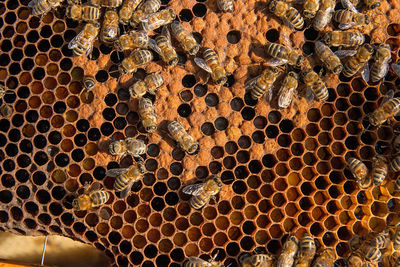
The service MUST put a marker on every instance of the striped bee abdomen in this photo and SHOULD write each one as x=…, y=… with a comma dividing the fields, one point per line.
x=197, y=202
x=295, y=18
x=99, y=198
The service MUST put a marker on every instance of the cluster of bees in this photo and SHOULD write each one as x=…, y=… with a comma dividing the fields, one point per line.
x=368, y=252
x=294, y=253
x=143, y=17
x=320, y=13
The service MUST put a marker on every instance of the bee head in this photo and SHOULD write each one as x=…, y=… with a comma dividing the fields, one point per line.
x=300, y=61
x=173, y=62
x=338, y=69
x=218, y=181
x=367, y=20
x=327, y=38
x=369, y=47
x=68, y=12
x=272, y=6
x=122, y=70
x=151, y=129
x=375, y=5
x=88, y=83
x=222, y=81
x=193, y=149
x=141, y=167
x=75, y=204
x=117, y=45
x=194, y=50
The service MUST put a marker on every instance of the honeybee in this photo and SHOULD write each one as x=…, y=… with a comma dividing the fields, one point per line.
x=330, y=60
x=381, y=240
x=387, y=110
x=379, y=169
x=325, y=259
x=147, y=115
x=126, y=10
x=310, y=8
x=150, y=84
x=283, y=55
x=158, y=19
x=212, y=64
x=89, y=82
x=345, y=39
x=6, y=110
x=359, y=171
x=185, y=38
x=130, y=146
x=197, y=262
x=396, y=237
x=380, y=65
x=202, y=193
x=132, y=40
x=314, y=83
x=306, y=251
x=289, y=250
x=263, y=83
x=126, y=177
x=287, y=13
x=347, y=19
x=287, y=90
x=324, y=14
x=83, y=42
x=225, y=5
x=146, y=8
x=372, y=253
x=111, y=3
x=162, y=45
x=257, y=260
x=179, y=134
x=355, y=63
x=138, y=58
x=92, y=197
x=41, y=7
x=110, y=29
x=83, y=13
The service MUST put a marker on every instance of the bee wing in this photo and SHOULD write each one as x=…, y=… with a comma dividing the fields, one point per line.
x=153, y=45
x=345, y=26
x=202, y=64
x=389, y=95
x=32, y=3
x=269, y=93
x=193, y=189
x=74, y=42
x=127, y=189
x=105, y=214
x=89, y=49
x=384, y=70
x=347, y=4
x=116, y=172
x=200, y=262
x=396, y=68
x=112, y=32
x=365, y=73
x=276, y=62
x=345, y=53
x=249, y=84
x=285, y=97
x=309, y=95
x=167, y=34
x=94, y=187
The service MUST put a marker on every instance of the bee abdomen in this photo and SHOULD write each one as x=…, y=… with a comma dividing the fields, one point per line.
x=197, y=202
x=396, y=238
x=112, y=3
x=343, y=16
x=142, y=56
x=379, y=175
x=395, y=164
x=351, y=67
x=276, y=50
x=295, y=18
x=209, y=56
x=321, y=91
x=41, y=7
x=99, y=198
x=91, y=13
x=257, y=91
x=373, y=254
x=121, y=182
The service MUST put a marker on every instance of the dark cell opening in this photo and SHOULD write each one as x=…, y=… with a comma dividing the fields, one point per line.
x=62, y=160
x=200, y=90
x=160, y=188
x=14, y=135
x=26, y=146
x=120, y=123
x=32, y=116
x=56, y=41
x=189, y=81
x=40, y=141
x=174, y=183
x=237, y=104
x=233, y=37
x=78, y=155
x=38, y=73
x=101, y=76
x=17, y=55
x=184, y=110
x=111, y=100
x=311, y=34
x=107, y=128
x=199, y=10
x=221, y=123
x=44, y=45
x=11, y=150
x=176, y=168
x=117, y=57
x=212, y=100
x=248, y=113
x=249, y=100
x=17, y=120
x=208, y=128
x=105, y=49
x=185, y=15
x=201, y=172
x=158, y=204
x=27, y=64
x=66, y=64
x=272, y=35
x=39, y=178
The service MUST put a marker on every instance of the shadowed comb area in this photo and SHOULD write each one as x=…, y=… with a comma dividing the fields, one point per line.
x=283, y=171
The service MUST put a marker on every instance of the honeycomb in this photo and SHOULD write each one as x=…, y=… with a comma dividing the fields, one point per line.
x=284, y=171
